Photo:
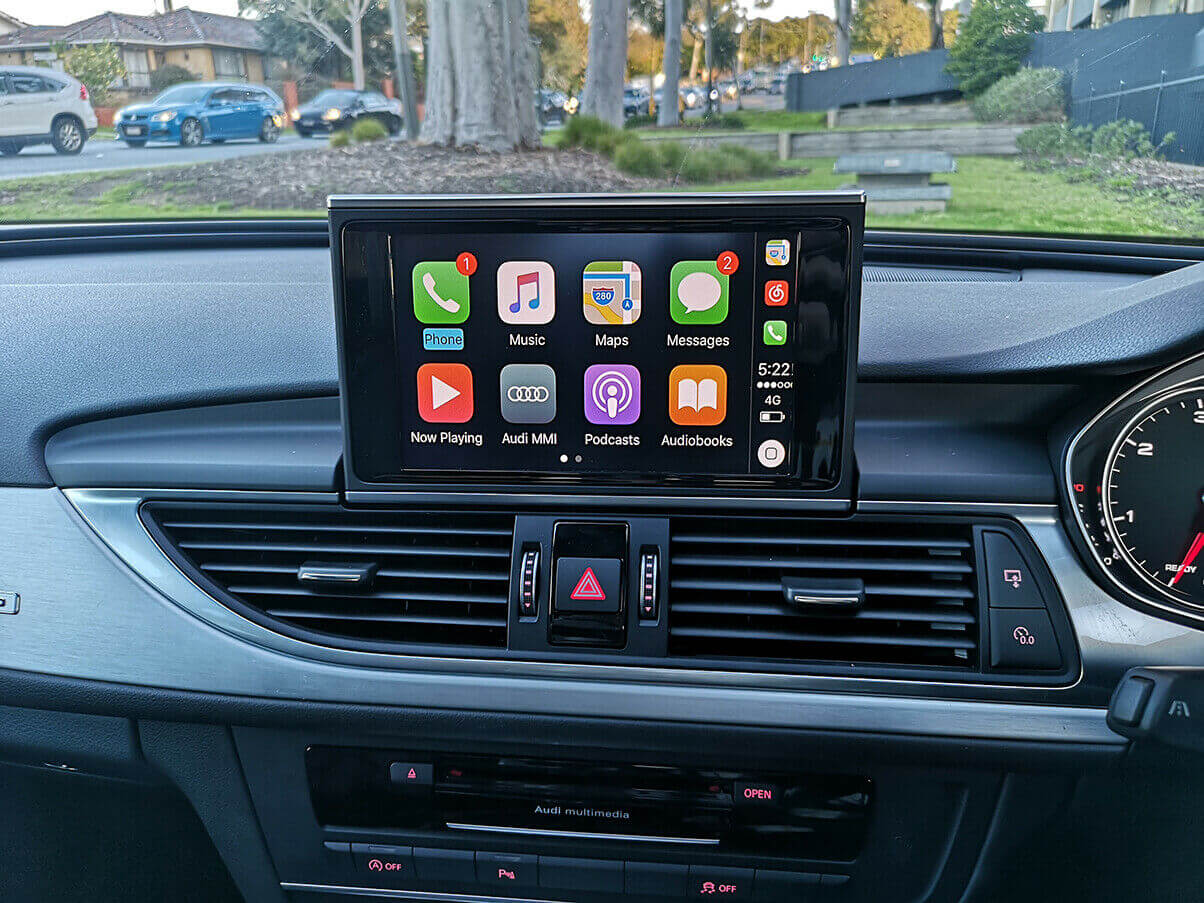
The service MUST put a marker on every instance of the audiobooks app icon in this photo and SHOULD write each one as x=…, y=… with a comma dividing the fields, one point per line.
x=697, y=395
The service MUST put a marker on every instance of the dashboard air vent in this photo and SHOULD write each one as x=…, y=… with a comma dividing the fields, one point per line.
x=731, y=581
x=362, y=579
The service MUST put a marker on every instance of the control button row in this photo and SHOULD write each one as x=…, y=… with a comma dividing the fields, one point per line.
x=1022, y=633
x=401, y=865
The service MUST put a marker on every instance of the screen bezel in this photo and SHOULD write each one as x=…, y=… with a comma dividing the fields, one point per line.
x=358, y=317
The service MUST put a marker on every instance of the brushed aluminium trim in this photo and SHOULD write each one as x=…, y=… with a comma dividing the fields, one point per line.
x=583, y=835
x=113, y=514
x=174, y=636
x=1132, y=394
x=432, y=896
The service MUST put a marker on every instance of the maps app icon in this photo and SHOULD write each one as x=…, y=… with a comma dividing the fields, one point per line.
x=777, y=252
x=611, y=292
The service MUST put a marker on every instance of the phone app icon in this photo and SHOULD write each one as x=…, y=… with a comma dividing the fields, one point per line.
x=445, y=393
x=777, y=252
x=612, y=292
x=612, y=394
x=440, y=292
x=774, y=332
x=697, y=293
x=777, y=293
x=528, y=393
x=526, y=292
x=697, y=395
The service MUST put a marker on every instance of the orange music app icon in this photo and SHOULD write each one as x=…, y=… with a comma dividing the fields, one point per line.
x=697, y=395
x=526, y=292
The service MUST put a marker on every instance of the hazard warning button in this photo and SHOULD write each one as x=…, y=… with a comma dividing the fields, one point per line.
x=418, y=775
x=588, y=584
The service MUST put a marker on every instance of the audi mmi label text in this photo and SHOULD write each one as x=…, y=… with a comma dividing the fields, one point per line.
x=583, y=812
x=529, y=439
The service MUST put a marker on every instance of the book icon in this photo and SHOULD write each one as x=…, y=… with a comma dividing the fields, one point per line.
x=697, y=395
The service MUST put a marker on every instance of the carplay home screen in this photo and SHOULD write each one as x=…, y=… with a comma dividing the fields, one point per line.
x=617, y=354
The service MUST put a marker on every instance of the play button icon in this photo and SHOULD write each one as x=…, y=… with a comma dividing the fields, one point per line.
x=445, y=393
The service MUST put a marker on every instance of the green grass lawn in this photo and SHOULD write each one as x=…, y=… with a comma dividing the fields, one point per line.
x=995, y=194
x=990, y=194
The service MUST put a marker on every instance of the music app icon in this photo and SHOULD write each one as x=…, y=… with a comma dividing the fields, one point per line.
x=526, y=292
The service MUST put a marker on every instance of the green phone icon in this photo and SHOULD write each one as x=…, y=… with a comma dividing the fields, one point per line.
x=697, y=293
x=774, y=332
x=440, y=292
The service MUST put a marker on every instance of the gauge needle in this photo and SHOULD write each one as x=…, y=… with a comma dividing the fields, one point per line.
x=1196, y=545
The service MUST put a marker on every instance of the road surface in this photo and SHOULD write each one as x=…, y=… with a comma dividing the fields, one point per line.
x=101, y=154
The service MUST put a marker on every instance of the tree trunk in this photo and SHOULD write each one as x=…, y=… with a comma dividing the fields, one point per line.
x=480, y=75
x=398, y=21
x=695, y=57
x=937, y=41
x=710, y=56
x=844, y=17
x=667, y=114
x=607, y=61
x=357, y=54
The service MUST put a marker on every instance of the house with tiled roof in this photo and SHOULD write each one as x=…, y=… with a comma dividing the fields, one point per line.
x=213, y=47
x=9, y=23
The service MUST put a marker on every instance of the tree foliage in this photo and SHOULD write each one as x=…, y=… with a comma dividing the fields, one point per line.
x=98, y=66
x=561, y=32
x=801, y=37
x=996, y=38
x=312, y=60
x=1030, y=95
x=889, y=28
x=170, y=74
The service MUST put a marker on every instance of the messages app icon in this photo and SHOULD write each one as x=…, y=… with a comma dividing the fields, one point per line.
x=440, y=292
x=697, y=293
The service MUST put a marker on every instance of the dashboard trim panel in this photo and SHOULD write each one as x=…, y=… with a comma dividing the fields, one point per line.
x=84, y=596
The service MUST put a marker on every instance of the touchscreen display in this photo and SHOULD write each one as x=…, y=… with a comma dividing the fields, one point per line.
x=608, y=353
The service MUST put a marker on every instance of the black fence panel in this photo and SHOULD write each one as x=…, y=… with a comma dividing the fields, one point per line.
x=1173, y=105
x=1149, y=69
x=918, y=76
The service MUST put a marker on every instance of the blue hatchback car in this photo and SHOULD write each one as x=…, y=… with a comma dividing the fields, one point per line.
x=193, y=112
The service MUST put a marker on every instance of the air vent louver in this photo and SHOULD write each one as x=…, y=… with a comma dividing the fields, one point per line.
x=727, y=601
x=426, y=578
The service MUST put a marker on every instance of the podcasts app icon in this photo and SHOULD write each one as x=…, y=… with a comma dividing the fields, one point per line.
x=612, y=394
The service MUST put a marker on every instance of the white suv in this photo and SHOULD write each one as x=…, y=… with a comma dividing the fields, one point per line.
x=39, y=105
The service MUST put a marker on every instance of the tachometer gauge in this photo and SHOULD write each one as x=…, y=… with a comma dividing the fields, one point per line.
x=1153, y=495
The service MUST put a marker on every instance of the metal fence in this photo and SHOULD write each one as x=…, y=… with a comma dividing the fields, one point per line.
x=1173, y=104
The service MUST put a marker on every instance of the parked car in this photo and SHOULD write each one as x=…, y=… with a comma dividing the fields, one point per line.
x=729, y=89
x=551, y=107
x=340, y=108
x=659, y=94
x=193, y=112
x=43, y=106
x=636, y=102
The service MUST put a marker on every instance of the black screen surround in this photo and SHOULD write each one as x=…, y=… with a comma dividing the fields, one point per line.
x=483, y=340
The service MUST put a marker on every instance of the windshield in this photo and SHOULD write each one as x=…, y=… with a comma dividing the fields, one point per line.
x=1003, y=116
x=334, y=98
x=183, y=94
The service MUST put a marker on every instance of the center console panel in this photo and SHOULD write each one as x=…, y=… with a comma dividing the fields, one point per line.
x=576, y=812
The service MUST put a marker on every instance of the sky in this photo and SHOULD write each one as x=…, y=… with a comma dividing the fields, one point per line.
x=62, y=12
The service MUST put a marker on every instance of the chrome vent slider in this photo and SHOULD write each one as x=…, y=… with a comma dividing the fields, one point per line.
x=326, y=573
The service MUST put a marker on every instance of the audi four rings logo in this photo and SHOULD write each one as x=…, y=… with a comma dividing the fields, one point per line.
x=532, y=394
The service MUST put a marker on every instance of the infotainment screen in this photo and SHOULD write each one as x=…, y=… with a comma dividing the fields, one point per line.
x=662, y=340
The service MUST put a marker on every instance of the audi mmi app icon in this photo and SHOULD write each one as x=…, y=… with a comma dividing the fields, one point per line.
x=528, y=393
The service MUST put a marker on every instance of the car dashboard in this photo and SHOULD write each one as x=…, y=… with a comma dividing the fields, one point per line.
x=883, y=670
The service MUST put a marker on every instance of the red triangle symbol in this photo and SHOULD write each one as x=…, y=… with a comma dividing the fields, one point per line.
x=588, y=587
x=412, y=775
